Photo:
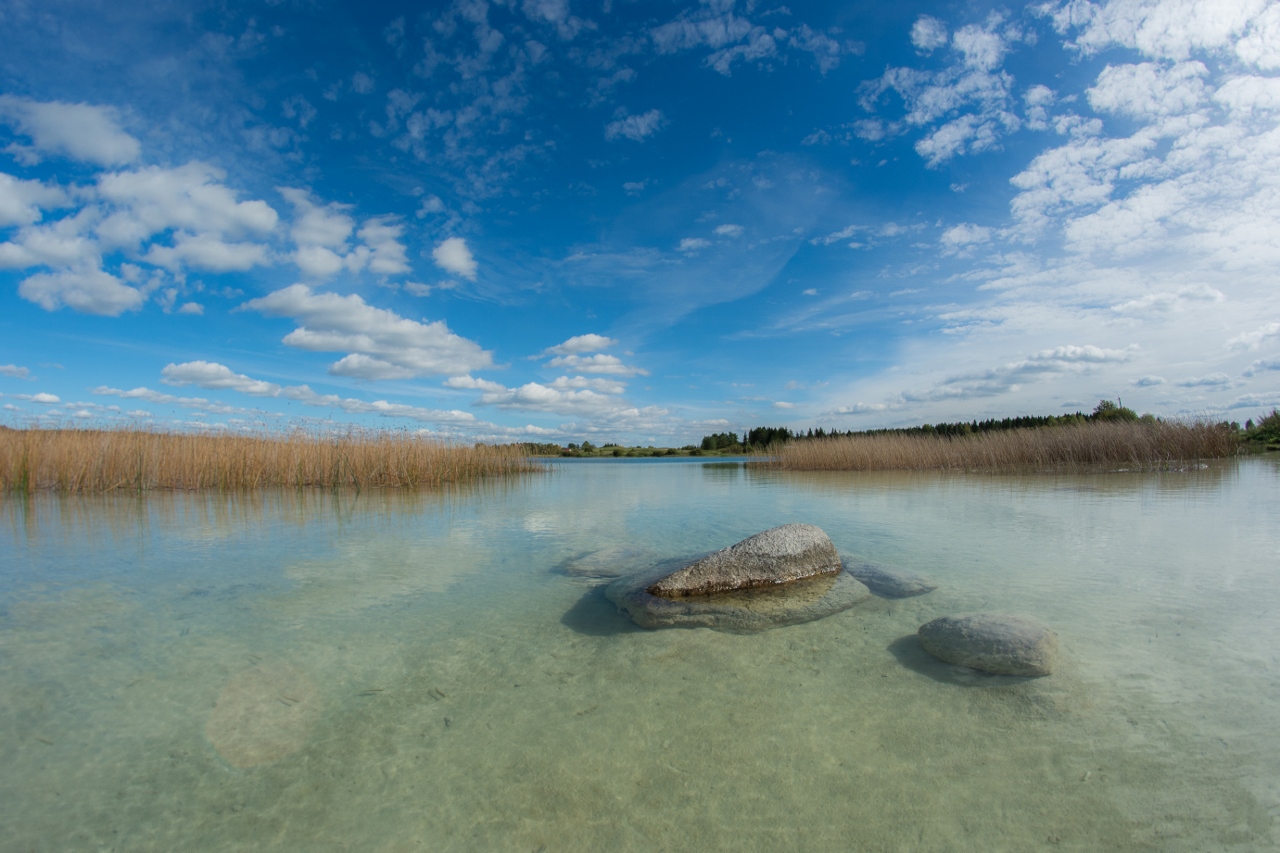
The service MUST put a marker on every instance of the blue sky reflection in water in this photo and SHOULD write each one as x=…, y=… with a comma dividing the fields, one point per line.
x=324, y=672
x=640, y=222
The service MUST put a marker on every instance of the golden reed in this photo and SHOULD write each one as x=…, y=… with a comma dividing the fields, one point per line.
x=1138, y=445
x=73, y=460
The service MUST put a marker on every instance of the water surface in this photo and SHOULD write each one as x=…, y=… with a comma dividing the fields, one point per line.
x=391, y=671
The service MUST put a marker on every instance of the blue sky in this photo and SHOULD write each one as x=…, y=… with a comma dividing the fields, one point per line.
x=639, y=222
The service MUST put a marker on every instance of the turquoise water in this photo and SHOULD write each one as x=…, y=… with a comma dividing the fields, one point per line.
x=385, y=671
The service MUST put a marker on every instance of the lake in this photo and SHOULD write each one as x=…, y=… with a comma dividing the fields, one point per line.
x=389, y=671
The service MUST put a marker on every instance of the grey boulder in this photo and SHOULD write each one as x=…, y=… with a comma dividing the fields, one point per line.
x=999, y=643
x=782, y=555
x=889, y=581
x=741, y=611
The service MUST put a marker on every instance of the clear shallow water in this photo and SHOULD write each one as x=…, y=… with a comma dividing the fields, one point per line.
x=400, y=672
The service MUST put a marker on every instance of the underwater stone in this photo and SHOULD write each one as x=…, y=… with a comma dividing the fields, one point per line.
x=888, y=580
x=1001, y=643
x=611, y=562
x=743, y=611
x=778, y=556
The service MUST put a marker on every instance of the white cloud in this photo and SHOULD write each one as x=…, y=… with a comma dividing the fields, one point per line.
x=566, y=396
x=583, y=343
x=784, y=405
x=1010, y=377
x=636, y=128
x=971, y=98
x=207, y=252
x=1213, y=380
x=1149, y=381
x=928, y=33
x=1253, y=340
x=190, y=197
x=858, y=409
x=13, y=371
x=958, y=237
x=316, y=225
x=80, y=131
x=693, y=244
x=89, y=291
x=42, y=397
x=1164, y=29
x=191, y=308
x=214, y=376
x=556, y=13
x=1149, y=90
x=381, y=343
x=728, y=230
x=607, y=364
x=382, y=236
x=198, y=403
x=452, y=255
x=22, y=202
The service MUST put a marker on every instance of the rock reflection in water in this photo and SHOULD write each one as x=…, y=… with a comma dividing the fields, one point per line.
x=741, y=611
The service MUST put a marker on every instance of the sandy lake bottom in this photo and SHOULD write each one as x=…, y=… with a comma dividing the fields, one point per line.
x=386, y=671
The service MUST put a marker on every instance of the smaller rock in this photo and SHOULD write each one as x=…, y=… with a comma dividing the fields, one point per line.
x=612, y=562
x=1001, y=643
x=889, y=581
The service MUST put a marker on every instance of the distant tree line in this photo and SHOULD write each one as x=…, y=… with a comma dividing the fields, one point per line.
x=762, y=437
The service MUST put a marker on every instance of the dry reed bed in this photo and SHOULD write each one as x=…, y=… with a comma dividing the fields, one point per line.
x=69, y=460
x=1084, y=446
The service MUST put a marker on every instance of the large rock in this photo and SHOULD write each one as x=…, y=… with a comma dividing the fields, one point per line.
x=778, y=556
x=889, y=581
x=742, y=611
x=1001, y=643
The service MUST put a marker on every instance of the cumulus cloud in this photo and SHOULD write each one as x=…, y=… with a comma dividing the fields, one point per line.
x=214, y=376
x=636, y=128
x=207, y=252
x=23, y=202
x=13, y=371
x=928, y=33
x=192, y=198
x=381, y=344
x=89, y=291
x=453, y=256
x=600, y=363
x=693, y=244
x=566, y=396
x=43, y=398
x=729, y=230
x=958, y=237
x=583, y=343
x=322, y=232
x=82, y=132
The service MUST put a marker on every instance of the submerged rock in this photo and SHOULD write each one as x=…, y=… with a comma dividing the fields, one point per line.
x=888, y=580
x=1001, y=643
x=742, y=611
x=612, y=562
x=263, y=714
x=778, y=556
